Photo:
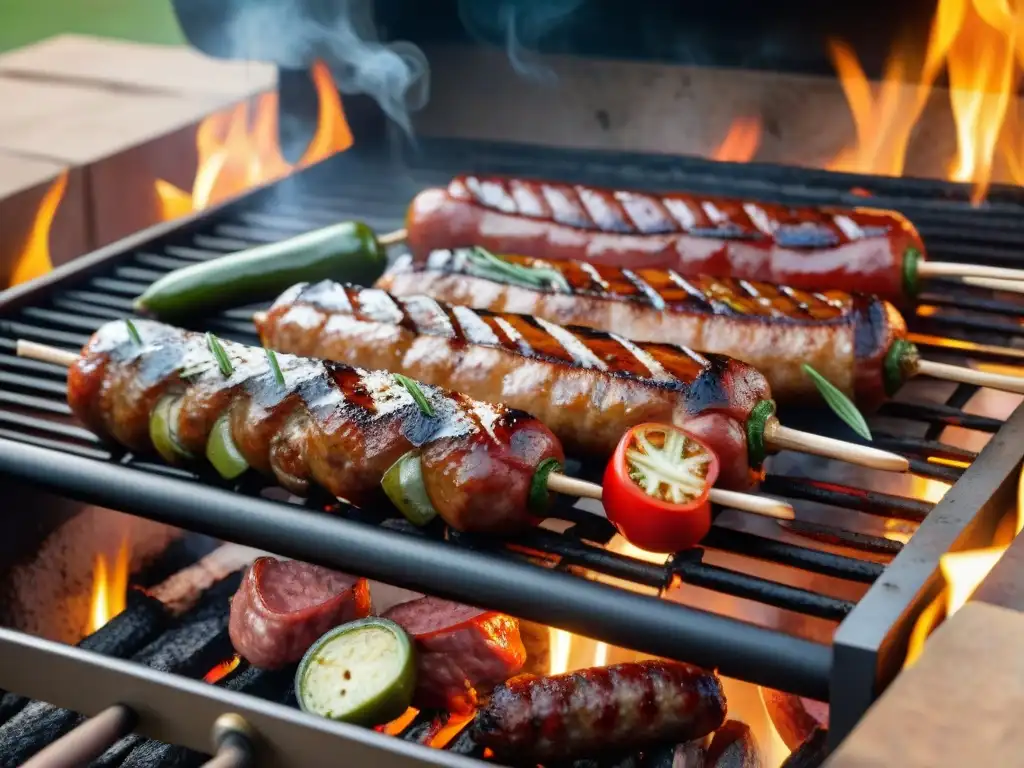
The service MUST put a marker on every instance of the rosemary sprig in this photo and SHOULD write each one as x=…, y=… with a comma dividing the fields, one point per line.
x=417, y=394
x=839, y=403
x=483, y=263
x=272, y=359
x=133, y=331
x=223, y=361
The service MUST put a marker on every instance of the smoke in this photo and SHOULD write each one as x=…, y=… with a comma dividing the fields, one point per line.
x=293, y=33
x=522, y=24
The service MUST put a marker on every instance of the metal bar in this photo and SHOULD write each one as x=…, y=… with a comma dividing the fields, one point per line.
x=606, y=613
x=944, y=415
x=177, y=710
x=835, y=494
x=87, y=741
x=870, y=644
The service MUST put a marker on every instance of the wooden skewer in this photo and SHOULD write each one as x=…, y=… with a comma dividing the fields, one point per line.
x=746, y=502
x=964, y=375
x=1008, y=286
x=948, y=269
x=393, y=238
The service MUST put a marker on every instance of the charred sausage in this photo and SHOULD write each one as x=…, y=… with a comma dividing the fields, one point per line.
x=282, y=607
x=625, y=706
x=589, y=387
x=313, y=422
x=846, y=337
x=860, y=249
x=461, y=651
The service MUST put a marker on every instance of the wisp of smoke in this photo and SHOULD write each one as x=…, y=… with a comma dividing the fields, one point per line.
x=521, y=24
x=293, y=33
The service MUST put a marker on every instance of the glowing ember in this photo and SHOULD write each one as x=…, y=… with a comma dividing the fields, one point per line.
x=979, y=44
x=449, y=730
x=109, y=588
x=741, y=142
x=399, y=724
x=34, y=259
x=222, y=670
x=236, y=154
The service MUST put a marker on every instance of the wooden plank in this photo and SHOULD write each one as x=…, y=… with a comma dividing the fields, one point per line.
x=138, y=67
x=23, y=184
x=957, y=706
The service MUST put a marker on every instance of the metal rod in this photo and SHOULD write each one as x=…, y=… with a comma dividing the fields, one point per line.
x=616, y=616
x=87, y=741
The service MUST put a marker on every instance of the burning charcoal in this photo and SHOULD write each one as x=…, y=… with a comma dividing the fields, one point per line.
x=463, y=744
x=141, y=622
x=811, y=753
x=733, y=746
x=689, y=754
x=191, y=648
x=628, y=761
x=425, y=726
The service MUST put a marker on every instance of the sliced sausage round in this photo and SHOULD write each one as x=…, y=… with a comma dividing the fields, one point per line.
x=283, y=606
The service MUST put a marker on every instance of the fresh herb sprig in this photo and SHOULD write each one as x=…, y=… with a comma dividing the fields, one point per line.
x=219, y=354
x=483, y=263
x=133, y=331
x=417, y=394
x=839, y=403
x=272, y=359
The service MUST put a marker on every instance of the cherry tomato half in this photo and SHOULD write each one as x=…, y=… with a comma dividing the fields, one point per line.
x=656, y=488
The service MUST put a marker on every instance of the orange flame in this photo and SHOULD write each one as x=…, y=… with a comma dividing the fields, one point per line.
x=109, y=588
x=34, y=259
x=981, y=45
x=223, y=669
x=235, y=154
x=741, y=142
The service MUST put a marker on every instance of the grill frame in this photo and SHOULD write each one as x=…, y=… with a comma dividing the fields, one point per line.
x=869, y=655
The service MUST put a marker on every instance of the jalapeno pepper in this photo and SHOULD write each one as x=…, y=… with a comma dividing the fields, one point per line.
x=403, y=484
x=656, y=488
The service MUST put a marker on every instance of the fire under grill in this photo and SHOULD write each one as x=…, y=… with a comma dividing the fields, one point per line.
x=821, y=607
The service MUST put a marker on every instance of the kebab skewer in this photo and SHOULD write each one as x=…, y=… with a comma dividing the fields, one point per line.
x=860, y=249
x=587, y=386
x=856, y=342
x=482, y=468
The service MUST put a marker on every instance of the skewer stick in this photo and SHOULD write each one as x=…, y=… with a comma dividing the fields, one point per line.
x=558, y=483
x=784, y=438
x=745, y=502
x=948, y=269
x=964, y=375
x=393, y=238
x=1008, y=286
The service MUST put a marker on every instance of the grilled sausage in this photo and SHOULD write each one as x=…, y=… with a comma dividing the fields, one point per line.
x=843, y=336
x=625, y=706
x=589, y=387
x=329, y=424
x=282, y=607
x=460, y=651
x=810, y=248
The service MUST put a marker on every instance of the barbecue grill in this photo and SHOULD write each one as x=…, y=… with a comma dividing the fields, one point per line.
x=832, y=598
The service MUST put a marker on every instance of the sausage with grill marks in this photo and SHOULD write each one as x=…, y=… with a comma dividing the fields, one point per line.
x=592, y=711
x=587, y=386
x=774, y=328
x=811, y=248
x=328, y=424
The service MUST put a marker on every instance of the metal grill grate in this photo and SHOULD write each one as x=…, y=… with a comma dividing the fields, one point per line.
x=65, y=311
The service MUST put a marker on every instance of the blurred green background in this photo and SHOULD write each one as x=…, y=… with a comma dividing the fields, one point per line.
x=146, y=21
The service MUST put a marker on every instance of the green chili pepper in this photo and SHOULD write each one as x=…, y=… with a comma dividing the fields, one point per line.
x=403, y=484
x=222, y=452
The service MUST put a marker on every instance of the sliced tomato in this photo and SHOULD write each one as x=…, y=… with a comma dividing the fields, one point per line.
x=656, y=488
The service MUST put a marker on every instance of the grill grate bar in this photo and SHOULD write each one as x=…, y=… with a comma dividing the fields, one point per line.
x=940, y=415
x=834, y=494
x=923, y=448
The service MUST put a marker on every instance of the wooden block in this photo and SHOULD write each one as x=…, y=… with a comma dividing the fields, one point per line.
x=155, y=68
x=959, y=705
x=24, y=182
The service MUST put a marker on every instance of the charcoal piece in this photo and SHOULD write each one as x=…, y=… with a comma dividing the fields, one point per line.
x=191, y=648
x=137, y=752
x=689, y=754
x=733, y=746
x=612, y=761
x=811, y=753
x=141, y=622
x=425, y=726
x=464, y=744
